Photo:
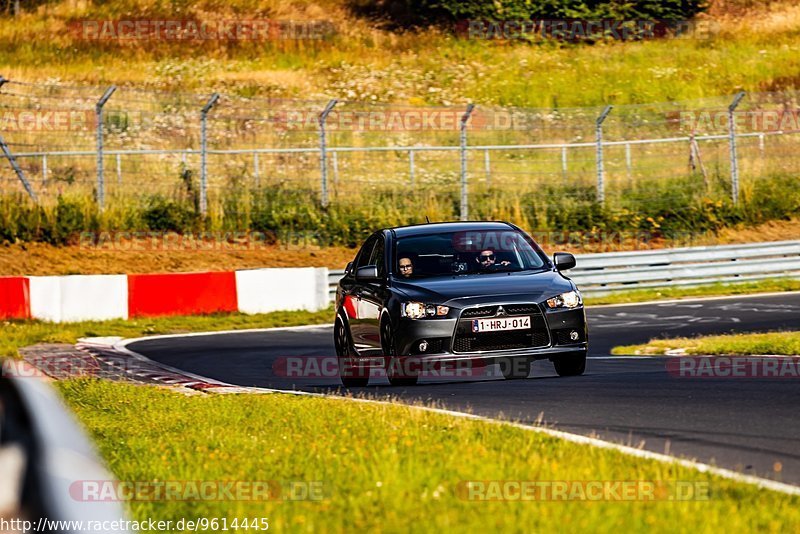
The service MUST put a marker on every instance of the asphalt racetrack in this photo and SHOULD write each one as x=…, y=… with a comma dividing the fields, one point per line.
x=751, y=425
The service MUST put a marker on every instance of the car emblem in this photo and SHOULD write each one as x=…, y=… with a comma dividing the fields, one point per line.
x=500, y=311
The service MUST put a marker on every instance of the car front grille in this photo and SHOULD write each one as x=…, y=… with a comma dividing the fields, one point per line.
x=536, y=336
x=485, y=311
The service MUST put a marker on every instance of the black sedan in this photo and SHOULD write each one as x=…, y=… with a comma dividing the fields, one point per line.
x=467, y=293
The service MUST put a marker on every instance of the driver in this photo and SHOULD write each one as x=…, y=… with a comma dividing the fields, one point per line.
x=487, y=260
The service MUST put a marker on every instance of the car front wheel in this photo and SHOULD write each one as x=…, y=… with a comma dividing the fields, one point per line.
x=515, y=368
x=396, y=372
x=571, y=365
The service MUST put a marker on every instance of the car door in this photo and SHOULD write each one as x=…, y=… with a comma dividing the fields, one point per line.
x=372, y=298
x=357, y=314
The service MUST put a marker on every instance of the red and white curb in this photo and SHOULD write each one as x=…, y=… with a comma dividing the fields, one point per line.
x=118, y=296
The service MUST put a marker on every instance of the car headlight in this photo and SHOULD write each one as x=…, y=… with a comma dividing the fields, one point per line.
x=419, y=310
x=571, y=299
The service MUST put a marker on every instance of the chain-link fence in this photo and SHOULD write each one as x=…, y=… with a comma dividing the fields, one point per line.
x=208, y=148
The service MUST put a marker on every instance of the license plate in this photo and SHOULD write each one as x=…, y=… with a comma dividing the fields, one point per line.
x=501, y=323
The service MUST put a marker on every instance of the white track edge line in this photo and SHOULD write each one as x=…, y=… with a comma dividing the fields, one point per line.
x=694, y=299
x=729, y=474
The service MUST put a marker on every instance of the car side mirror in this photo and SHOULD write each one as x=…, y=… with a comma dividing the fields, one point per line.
x=563, y=261
x=368, y=273
x=348, y=268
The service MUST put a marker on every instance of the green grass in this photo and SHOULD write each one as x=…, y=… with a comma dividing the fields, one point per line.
x=364, y=61
x=385, y=467
x=709, y=290
x=778, y=343
x=18, y=334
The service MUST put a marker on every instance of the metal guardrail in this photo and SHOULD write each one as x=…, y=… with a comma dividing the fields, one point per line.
x=624, y=271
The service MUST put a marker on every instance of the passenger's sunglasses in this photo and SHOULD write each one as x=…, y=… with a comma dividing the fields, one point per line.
x=487, y=257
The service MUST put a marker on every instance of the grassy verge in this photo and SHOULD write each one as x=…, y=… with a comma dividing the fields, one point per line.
x=383, y=467
x=781, y=343
x=18, y=334
x=709, y=290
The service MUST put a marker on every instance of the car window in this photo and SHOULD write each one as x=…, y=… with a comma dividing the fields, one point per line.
x=365, y=253
x=376, y=258
x=450, y=253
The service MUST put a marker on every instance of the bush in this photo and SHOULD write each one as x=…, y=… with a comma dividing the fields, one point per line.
x=407, y=13
x=166, y=215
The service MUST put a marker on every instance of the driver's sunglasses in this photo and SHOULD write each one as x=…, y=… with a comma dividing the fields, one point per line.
x=488, y=257
x=404, y=267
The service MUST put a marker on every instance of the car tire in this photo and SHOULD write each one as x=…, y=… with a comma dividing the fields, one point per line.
x=515, y=368
x=571, y=365
x=352, y=376
x=395, y=372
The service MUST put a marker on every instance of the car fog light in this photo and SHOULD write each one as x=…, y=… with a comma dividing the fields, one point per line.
x=423, y=346
x=574, y=335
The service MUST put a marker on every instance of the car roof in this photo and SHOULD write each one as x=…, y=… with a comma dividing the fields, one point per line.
x=458, y=226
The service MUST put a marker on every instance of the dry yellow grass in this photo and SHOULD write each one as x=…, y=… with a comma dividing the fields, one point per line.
x=38, y=259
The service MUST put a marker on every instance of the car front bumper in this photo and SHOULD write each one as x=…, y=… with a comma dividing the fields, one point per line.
x=438, y=334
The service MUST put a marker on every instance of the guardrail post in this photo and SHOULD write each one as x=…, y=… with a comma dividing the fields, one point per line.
x=464, y=192
x=601, y=193
x=323, y=154
x=734, y=158
x=204, y=152
x=98, y=109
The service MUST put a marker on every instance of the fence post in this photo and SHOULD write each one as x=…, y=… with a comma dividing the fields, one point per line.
x=564, y=162
x=488, y=167
x=98, y=109
x=203, y=152
x=335, y=162
x=44, y=170
x=411, y=168
x=601, y=193
x=628, y=165
x=256, y=170
x=734, y=159
x=119, y=169
x=323, y=153
x=17, y=169
x=464, y=193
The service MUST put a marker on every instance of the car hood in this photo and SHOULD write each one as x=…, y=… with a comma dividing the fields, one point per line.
x=464, y=290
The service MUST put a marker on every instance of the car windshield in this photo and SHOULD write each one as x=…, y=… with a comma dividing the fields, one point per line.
x=465, y=253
